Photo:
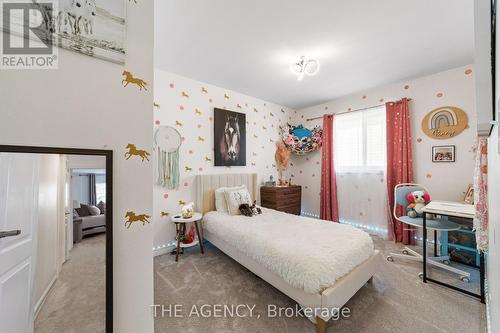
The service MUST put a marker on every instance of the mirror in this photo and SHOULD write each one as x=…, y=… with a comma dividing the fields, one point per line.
x=55, y=233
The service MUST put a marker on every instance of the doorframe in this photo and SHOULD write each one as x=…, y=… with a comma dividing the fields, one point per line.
x=108, y=154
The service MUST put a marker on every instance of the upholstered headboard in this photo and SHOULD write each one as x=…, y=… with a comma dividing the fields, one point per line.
x=207, y=184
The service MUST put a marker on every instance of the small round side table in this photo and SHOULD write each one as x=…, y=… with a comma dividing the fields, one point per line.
x=180, y=224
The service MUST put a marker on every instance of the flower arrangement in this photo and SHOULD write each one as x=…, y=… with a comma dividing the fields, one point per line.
x=301, y=140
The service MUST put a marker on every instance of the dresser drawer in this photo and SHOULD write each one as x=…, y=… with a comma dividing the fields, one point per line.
x=284, y=199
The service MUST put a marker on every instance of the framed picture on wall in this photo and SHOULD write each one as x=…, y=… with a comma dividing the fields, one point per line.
x=96, y=28
x=229, y=138
x=443, y=154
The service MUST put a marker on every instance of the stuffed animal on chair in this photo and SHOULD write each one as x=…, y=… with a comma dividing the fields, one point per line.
x=418, y=200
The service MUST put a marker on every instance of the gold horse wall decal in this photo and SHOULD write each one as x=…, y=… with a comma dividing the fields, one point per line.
x=132, y=217
x=204, y=90
x=181, y=202
x=129, y=78
x=164, y=214
x=184, y=94
x=133, y=151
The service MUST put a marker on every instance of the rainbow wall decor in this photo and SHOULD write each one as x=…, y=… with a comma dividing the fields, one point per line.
x=445, y=122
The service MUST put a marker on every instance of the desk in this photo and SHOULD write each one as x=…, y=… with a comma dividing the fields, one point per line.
x=453, y=209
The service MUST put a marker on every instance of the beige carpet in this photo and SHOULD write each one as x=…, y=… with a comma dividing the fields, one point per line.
x=397, y=301
x=76, y=302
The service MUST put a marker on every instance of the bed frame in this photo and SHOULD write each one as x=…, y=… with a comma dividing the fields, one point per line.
x=332, y=298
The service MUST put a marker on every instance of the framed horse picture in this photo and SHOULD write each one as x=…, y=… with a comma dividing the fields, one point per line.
x=229, y=138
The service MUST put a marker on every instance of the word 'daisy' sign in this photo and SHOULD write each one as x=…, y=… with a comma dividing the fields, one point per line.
x=445, y=122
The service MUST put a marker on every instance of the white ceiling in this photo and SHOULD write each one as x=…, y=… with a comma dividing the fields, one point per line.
x=248, y=46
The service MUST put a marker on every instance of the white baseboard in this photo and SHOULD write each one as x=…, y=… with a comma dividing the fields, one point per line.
x=163, y=250
x=41, y=301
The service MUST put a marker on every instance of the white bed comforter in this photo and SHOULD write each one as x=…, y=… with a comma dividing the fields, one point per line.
x=307, y=253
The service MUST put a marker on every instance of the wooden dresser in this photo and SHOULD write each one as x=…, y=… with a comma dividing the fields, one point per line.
x=285, y=199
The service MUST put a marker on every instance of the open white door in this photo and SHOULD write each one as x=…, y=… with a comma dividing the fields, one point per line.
x=18, y=211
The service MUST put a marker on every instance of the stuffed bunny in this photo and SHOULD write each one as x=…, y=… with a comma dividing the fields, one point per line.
x=247, y=210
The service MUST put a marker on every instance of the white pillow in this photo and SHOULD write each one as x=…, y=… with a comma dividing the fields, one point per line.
x=235, y=198
x=94, y=211
x=220, y=199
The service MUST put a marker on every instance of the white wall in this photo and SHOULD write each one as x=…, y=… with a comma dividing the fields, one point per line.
x=445, y=181
x=263, y=121
x=83, y=104
x=47, y=234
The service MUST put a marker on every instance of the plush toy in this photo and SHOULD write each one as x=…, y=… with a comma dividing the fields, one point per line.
x=188, y=210
x=189, y=237
x=250, y=211
x=418, y=200
x=255, y=210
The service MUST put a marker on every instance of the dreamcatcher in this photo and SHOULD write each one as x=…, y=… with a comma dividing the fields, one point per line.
x=168, y=140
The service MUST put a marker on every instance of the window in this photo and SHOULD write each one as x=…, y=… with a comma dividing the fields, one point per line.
x=100, y=188
x=360, y=141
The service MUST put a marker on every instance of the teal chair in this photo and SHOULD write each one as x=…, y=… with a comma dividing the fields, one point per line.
x=401, y=191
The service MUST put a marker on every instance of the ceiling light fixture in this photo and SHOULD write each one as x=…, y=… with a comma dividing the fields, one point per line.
x=303, y=67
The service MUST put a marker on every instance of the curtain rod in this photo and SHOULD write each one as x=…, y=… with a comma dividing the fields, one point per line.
x=361, y=109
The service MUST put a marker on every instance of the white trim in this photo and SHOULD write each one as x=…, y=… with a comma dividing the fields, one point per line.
x=163, y=249
x=41, y=301
x=489, y=329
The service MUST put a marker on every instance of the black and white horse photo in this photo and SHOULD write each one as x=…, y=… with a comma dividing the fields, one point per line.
x=93, y=27
x=229, y=138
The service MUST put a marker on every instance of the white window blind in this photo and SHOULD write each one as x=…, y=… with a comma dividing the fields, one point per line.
x=360, y=144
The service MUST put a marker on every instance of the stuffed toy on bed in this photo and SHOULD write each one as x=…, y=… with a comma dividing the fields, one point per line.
x=247, y=210
x=418, y=200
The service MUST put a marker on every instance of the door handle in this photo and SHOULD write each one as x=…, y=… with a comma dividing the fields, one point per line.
x=10, y=233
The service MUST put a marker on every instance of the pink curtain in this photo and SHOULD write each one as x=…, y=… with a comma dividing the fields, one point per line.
x=481, y=194
x=329, y=208
x=399, y=164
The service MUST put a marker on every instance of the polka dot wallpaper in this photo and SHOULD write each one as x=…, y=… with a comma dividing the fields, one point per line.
x=445, y=181
x=188, y=106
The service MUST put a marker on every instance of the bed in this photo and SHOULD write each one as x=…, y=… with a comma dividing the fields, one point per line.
x=319, y=273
